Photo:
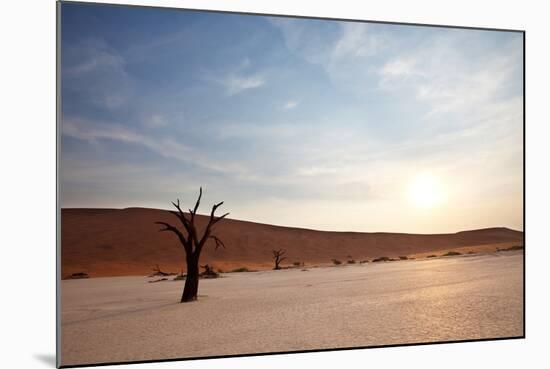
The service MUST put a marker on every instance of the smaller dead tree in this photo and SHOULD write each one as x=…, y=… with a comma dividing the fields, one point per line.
x=278, y=258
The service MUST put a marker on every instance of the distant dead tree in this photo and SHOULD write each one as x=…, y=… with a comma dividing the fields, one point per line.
x=277, y=257
x=193, y=243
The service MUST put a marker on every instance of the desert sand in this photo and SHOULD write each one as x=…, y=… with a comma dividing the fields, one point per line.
x=119, y=319
x=125, y=242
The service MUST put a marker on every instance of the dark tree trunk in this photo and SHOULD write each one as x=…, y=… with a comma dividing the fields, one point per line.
x=191, y=282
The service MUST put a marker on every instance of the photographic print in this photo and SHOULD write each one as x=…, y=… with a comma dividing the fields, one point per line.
x=239, y=184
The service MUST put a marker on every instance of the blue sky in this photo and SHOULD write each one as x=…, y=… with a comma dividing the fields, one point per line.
x=307, y=123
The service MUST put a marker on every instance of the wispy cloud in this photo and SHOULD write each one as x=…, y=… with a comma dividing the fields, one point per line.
x=289, y=105
x=96, y=131
x=93, y=131
x=156, y=121
x=399, y=68
x=94, y=54
x=235, y=78
x=356, y=41
x=438, y=75
x=98, y=71
x=312, y=40
x=235, y=84
x=343, y=50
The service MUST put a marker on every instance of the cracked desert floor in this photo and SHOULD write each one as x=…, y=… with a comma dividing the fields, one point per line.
x=117, y=319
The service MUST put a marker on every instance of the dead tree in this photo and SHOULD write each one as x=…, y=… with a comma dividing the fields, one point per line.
x=193, y=243
x=277, y=256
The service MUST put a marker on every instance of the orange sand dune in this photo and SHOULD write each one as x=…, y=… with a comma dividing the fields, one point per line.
x=116, y=242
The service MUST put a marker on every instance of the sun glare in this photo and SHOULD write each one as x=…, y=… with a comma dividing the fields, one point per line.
x=426, y=191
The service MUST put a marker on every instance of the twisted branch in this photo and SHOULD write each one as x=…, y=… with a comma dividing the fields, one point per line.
x=219, y=243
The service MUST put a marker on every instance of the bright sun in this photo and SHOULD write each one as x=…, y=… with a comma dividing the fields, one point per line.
x=426, y=191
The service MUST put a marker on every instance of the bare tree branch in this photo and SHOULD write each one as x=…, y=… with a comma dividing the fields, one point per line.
x=277, y=256
x=181, y=215
x=213, y=220
x=219, y=243
x=188, y=224
x=279, y=252
x=219, y=218
x=194, y=212
x=184, y=241
x=169, y=227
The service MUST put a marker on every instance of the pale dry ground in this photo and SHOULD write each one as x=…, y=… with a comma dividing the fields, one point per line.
x=454, y=298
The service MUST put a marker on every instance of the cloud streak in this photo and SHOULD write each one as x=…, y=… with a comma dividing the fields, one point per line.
x=235, y=84
x=437, y=74
x=95, y=70
x=289, y=105
x=94, y=131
